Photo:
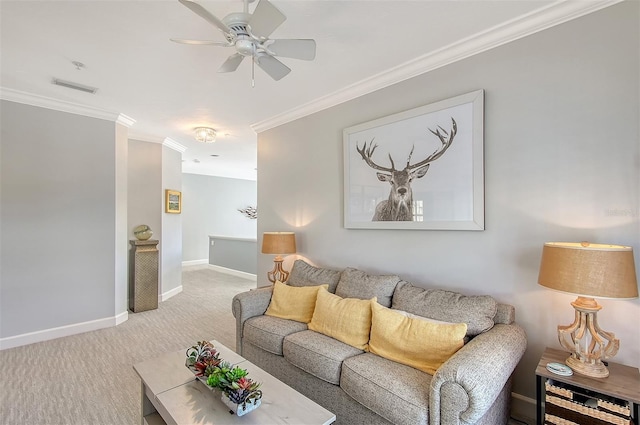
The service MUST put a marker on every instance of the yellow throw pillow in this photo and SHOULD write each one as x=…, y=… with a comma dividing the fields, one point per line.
x=345, y=319
x=293, y=302
x=414, y=342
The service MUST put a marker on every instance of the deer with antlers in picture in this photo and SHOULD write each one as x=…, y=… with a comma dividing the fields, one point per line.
x=399, y=205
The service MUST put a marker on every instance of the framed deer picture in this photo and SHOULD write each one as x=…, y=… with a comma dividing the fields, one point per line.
x=421, y=169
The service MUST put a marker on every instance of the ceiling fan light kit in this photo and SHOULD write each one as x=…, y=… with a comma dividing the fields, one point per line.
x=205, y=134
x=249, y=35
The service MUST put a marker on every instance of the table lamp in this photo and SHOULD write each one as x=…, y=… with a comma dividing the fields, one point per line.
x=588, y=270
x=278, y=243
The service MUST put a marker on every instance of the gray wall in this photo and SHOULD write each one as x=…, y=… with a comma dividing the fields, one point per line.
x=121, y=282
x=146, y=197
x=171, y=243
x=234, y=253
x=561, y=164
x=210, y=207
x=61, y=197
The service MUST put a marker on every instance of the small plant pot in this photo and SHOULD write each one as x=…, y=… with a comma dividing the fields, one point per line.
x=242, y=408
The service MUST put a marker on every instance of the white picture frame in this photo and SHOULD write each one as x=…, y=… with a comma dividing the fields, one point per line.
x=449, y=195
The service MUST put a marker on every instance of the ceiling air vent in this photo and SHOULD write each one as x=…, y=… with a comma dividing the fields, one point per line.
x=74, y=86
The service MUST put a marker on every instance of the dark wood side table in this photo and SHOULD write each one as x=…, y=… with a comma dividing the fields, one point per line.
x=623, y=382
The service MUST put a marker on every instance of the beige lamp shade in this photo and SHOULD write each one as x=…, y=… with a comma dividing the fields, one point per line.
x=589, y=270
x=278, y=243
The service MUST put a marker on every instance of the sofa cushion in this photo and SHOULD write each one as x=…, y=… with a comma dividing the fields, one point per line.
x=355, y=283
x=506, y=314
x=394, y=391
x=427, y=319
x=415, y=316
x=304, y=274
x=268, y=332
x=318, y=354
x=414, y=342
x=293, y=303
x=476, y=311
x=345, y=319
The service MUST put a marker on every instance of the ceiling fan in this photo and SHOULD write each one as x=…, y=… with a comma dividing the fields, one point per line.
x=249, y=34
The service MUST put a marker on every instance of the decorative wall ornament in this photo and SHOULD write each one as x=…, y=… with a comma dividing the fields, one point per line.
x=250, y=212
x=419, y=169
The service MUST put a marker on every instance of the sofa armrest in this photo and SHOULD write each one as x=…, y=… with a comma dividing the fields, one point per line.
x=465, y=386
x=247, y=305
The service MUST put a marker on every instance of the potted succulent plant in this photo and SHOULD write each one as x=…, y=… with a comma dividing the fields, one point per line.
x=202, y=358
x=240, y=393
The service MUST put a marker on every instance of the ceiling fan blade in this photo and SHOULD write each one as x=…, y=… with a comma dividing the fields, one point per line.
x=232, y=63
x=265, y=19
x=304, y=49
x=272, y=66
x=206, y=15
x=200, y=42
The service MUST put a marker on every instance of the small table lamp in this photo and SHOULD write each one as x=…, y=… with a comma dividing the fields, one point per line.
x=588, y=270
x=278, y=243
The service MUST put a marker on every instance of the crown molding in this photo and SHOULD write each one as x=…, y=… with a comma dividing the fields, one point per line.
x=63, y=106
x=125, y=120
x=164, y=141
x=170, y=143
x=538, y=20
x=144, y=137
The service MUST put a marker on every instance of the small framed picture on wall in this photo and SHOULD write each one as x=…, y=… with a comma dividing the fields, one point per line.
x=173, y=201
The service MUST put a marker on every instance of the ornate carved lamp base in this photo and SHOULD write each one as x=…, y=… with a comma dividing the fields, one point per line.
x=278, y=273
x=588, y=344
x=595, y=370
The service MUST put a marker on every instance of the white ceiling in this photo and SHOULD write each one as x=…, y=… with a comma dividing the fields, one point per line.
x=169, y=88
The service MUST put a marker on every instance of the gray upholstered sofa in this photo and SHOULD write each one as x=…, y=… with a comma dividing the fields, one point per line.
x=471, y=387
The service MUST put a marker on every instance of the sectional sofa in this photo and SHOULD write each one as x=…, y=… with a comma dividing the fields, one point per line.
x=428, y=356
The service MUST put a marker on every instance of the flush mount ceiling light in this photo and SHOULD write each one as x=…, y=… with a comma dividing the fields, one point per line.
x=205, y=134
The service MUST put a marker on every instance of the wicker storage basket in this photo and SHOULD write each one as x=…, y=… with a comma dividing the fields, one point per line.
x=568, y=405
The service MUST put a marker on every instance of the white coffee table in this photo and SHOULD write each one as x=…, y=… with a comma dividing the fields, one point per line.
x=172, y=395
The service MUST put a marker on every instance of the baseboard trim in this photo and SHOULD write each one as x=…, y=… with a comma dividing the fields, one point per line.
x=523, y=408
x=233, y=272
x=62, y=331
x=166, y=295
x=195, y=262
x=122, y=317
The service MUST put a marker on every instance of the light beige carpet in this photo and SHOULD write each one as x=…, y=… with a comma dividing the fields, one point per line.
x=88, y=379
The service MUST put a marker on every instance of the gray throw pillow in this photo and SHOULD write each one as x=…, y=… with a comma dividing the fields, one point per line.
x=476, y=311
x=355, y=283
x=304, y=274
